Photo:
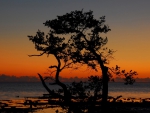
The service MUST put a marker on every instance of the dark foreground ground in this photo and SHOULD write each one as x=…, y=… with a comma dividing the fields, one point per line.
x=28, y=105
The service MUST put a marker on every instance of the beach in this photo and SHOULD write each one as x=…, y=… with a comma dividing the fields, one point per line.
x=27, y=105
x=38, y=105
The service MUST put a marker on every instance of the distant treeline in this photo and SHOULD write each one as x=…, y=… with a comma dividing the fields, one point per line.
x=8, y=78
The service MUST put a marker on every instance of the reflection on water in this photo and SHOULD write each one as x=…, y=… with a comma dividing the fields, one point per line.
x=137, y=90
x=21, y=90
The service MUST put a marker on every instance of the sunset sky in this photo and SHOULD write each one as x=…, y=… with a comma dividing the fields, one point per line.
x=129, y=21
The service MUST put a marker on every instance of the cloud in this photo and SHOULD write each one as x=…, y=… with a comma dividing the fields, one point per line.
x=7, y=78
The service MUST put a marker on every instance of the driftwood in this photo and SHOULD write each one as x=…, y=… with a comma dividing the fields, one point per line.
x=44, y=84
x=51, y=92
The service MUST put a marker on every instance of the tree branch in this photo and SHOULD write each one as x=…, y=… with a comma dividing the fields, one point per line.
x=51, y=72
x=66, y=66
x=54, y=66
x=38, y=55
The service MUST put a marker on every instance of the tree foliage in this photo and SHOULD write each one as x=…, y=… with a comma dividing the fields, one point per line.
x=127, y=76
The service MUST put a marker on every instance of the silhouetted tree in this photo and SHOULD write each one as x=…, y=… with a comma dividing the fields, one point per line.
x=127, y=76
x=77, y=37
x=95, y=84
x=86, y=42
x=52, y=44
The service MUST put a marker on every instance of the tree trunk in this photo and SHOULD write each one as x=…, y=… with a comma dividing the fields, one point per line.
x=105, y=89
x=104, y=81
x=67, y=96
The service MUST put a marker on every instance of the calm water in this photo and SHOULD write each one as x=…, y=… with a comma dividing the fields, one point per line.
x=13, y=90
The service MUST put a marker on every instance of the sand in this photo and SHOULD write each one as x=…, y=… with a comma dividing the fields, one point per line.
x=47, y=110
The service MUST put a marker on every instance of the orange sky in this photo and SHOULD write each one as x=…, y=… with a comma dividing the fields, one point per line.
x=129, y=35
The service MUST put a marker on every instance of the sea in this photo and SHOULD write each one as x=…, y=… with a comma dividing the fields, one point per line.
x=16, y=90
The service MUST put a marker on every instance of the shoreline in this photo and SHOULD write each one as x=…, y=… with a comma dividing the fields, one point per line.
x=37, y=105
